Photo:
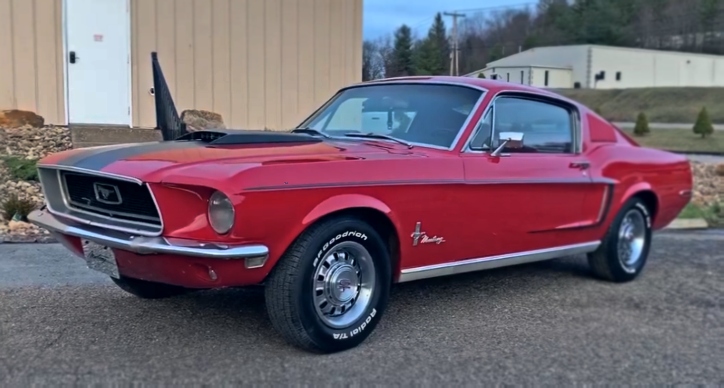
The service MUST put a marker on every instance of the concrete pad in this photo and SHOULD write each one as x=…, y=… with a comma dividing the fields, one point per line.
x=688, y=223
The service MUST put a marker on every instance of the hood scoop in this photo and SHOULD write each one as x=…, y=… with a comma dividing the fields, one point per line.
x=220, y=137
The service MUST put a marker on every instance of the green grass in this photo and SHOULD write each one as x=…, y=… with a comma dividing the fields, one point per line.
x=661, y=105
x=714, y=215
x=683, y=140
x=21, y=169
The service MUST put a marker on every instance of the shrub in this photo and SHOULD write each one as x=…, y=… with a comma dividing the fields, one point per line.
x=22, y=169
x=642, y=125
x=703, y=124
x=16, y=208
x=481, y=75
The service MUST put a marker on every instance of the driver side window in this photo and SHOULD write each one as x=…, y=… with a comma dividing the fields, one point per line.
x=546, y=127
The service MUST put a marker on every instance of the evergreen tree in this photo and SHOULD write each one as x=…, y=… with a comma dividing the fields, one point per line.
x=402, y=53
x=432, y=53
x=703, y=125
x=642, y=125
x=496, y=52
x=439, y=47
x=421, y=57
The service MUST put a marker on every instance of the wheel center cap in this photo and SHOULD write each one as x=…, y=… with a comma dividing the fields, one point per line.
x=344, y=283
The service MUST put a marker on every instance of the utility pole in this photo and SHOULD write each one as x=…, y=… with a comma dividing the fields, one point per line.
x=455, y=50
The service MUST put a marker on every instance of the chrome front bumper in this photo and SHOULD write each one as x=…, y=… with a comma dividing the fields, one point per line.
x=150, y=245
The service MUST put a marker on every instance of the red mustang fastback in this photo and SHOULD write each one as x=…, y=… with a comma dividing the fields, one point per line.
x=389, y=181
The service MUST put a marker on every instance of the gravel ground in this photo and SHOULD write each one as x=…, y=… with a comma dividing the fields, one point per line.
x=547, y=323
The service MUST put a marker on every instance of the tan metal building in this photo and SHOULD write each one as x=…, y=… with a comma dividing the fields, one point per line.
x=259, y=63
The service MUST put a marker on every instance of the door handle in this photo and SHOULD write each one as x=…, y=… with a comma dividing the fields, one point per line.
x=73, y=58
x=581, y=165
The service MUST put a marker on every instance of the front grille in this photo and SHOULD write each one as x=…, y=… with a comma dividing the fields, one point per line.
x=109, y=197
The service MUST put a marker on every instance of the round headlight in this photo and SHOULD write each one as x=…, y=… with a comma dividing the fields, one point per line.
x=221, y=212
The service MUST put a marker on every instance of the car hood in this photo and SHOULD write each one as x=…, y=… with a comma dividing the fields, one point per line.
x=157, y=161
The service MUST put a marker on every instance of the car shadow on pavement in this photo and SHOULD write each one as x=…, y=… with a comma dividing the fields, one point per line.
x=204, y=322
x=234, y=313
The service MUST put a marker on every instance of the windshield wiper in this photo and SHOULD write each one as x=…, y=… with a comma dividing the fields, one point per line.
x=311, y=132
x=371, y=135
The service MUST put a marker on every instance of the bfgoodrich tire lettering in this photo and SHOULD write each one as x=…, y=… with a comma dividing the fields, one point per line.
x=293, y=292
x=625, y=249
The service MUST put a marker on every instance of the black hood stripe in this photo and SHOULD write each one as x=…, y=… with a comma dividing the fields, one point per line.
x=98, y=159
x=83, y=153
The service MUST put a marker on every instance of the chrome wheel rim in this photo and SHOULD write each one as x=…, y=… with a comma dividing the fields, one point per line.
x=631, y=240
x=343, y=284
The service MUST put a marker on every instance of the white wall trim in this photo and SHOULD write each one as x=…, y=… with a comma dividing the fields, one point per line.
x=129, y=37
x=64, y=34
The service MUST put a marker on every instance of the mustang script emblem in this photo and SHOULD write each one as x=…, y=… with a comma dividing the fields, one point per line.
x=108, y=194
x=419, y=237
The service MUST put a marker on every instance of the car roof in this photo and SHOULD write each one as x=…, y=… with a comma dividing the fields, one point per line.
x=493, y=86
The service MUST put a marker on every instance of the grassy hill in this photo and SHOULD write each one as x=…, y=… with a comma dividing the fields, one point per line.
x=661, y=105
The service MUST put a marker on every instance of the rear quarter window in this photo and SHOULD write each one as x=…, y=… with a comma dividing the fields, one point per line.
x=599, y=130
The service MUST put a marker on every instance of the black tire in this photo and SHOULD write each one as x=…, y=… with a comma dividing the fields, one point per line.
x=148, y=290
x=291, y=297
x=607, y=262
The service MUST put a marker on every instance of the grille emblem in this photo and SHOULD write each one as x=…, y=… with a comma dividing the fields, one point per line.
x=108, y=194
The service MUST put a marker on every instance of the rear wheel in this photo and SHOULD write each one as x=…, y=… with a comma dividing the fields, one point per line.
x=625, y=249
x=148, y=290
x=329, y=291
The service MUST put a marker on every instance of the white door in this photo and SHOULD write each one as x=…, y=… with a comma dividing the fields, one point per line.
x=98, y=61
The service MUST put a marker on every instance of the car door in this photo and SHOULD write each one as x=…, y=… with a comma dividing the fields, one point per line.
x=533, y=197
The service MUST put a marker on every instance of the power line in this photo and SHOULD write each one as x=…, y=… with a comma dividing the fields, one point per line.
x=493, y=8
x=419, y=24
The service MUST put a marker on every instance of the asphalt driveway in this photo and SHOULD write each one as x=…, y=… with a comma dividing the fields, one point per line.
x=546, y=323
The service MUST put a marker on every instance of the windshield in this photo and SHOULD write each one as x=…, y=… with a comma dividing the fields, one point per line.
x=424, y=114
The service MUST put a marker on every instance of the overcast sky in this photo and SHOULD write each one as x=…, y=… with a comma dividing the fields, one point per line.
x=381, y=17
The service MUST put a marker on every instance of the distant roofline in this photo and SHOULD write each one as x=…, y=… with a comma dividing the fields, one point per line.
x=587, y=46
x=629, y=49
x=518, y=66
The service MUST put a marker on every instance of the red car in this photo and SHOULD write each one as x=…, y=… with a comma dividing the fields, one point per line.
x=389, y=181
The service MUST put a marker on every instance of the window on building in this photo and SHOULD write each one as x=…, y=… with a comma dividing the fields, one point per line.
x=522, y=73
x=545, y=81
x=618, y=76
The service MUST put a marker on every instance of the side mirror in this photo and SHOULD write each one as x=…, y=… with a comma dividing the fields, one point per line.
x=508, y=140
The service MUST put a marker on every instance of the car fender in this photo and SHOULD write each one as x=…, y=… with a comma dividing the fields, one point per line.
x=635, y=189
x=348, y=201
x=326, y=207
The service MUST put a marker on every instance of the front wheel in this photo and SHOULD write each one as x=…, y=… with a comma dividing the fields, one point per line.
x=625, y=249
x=329, y=291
